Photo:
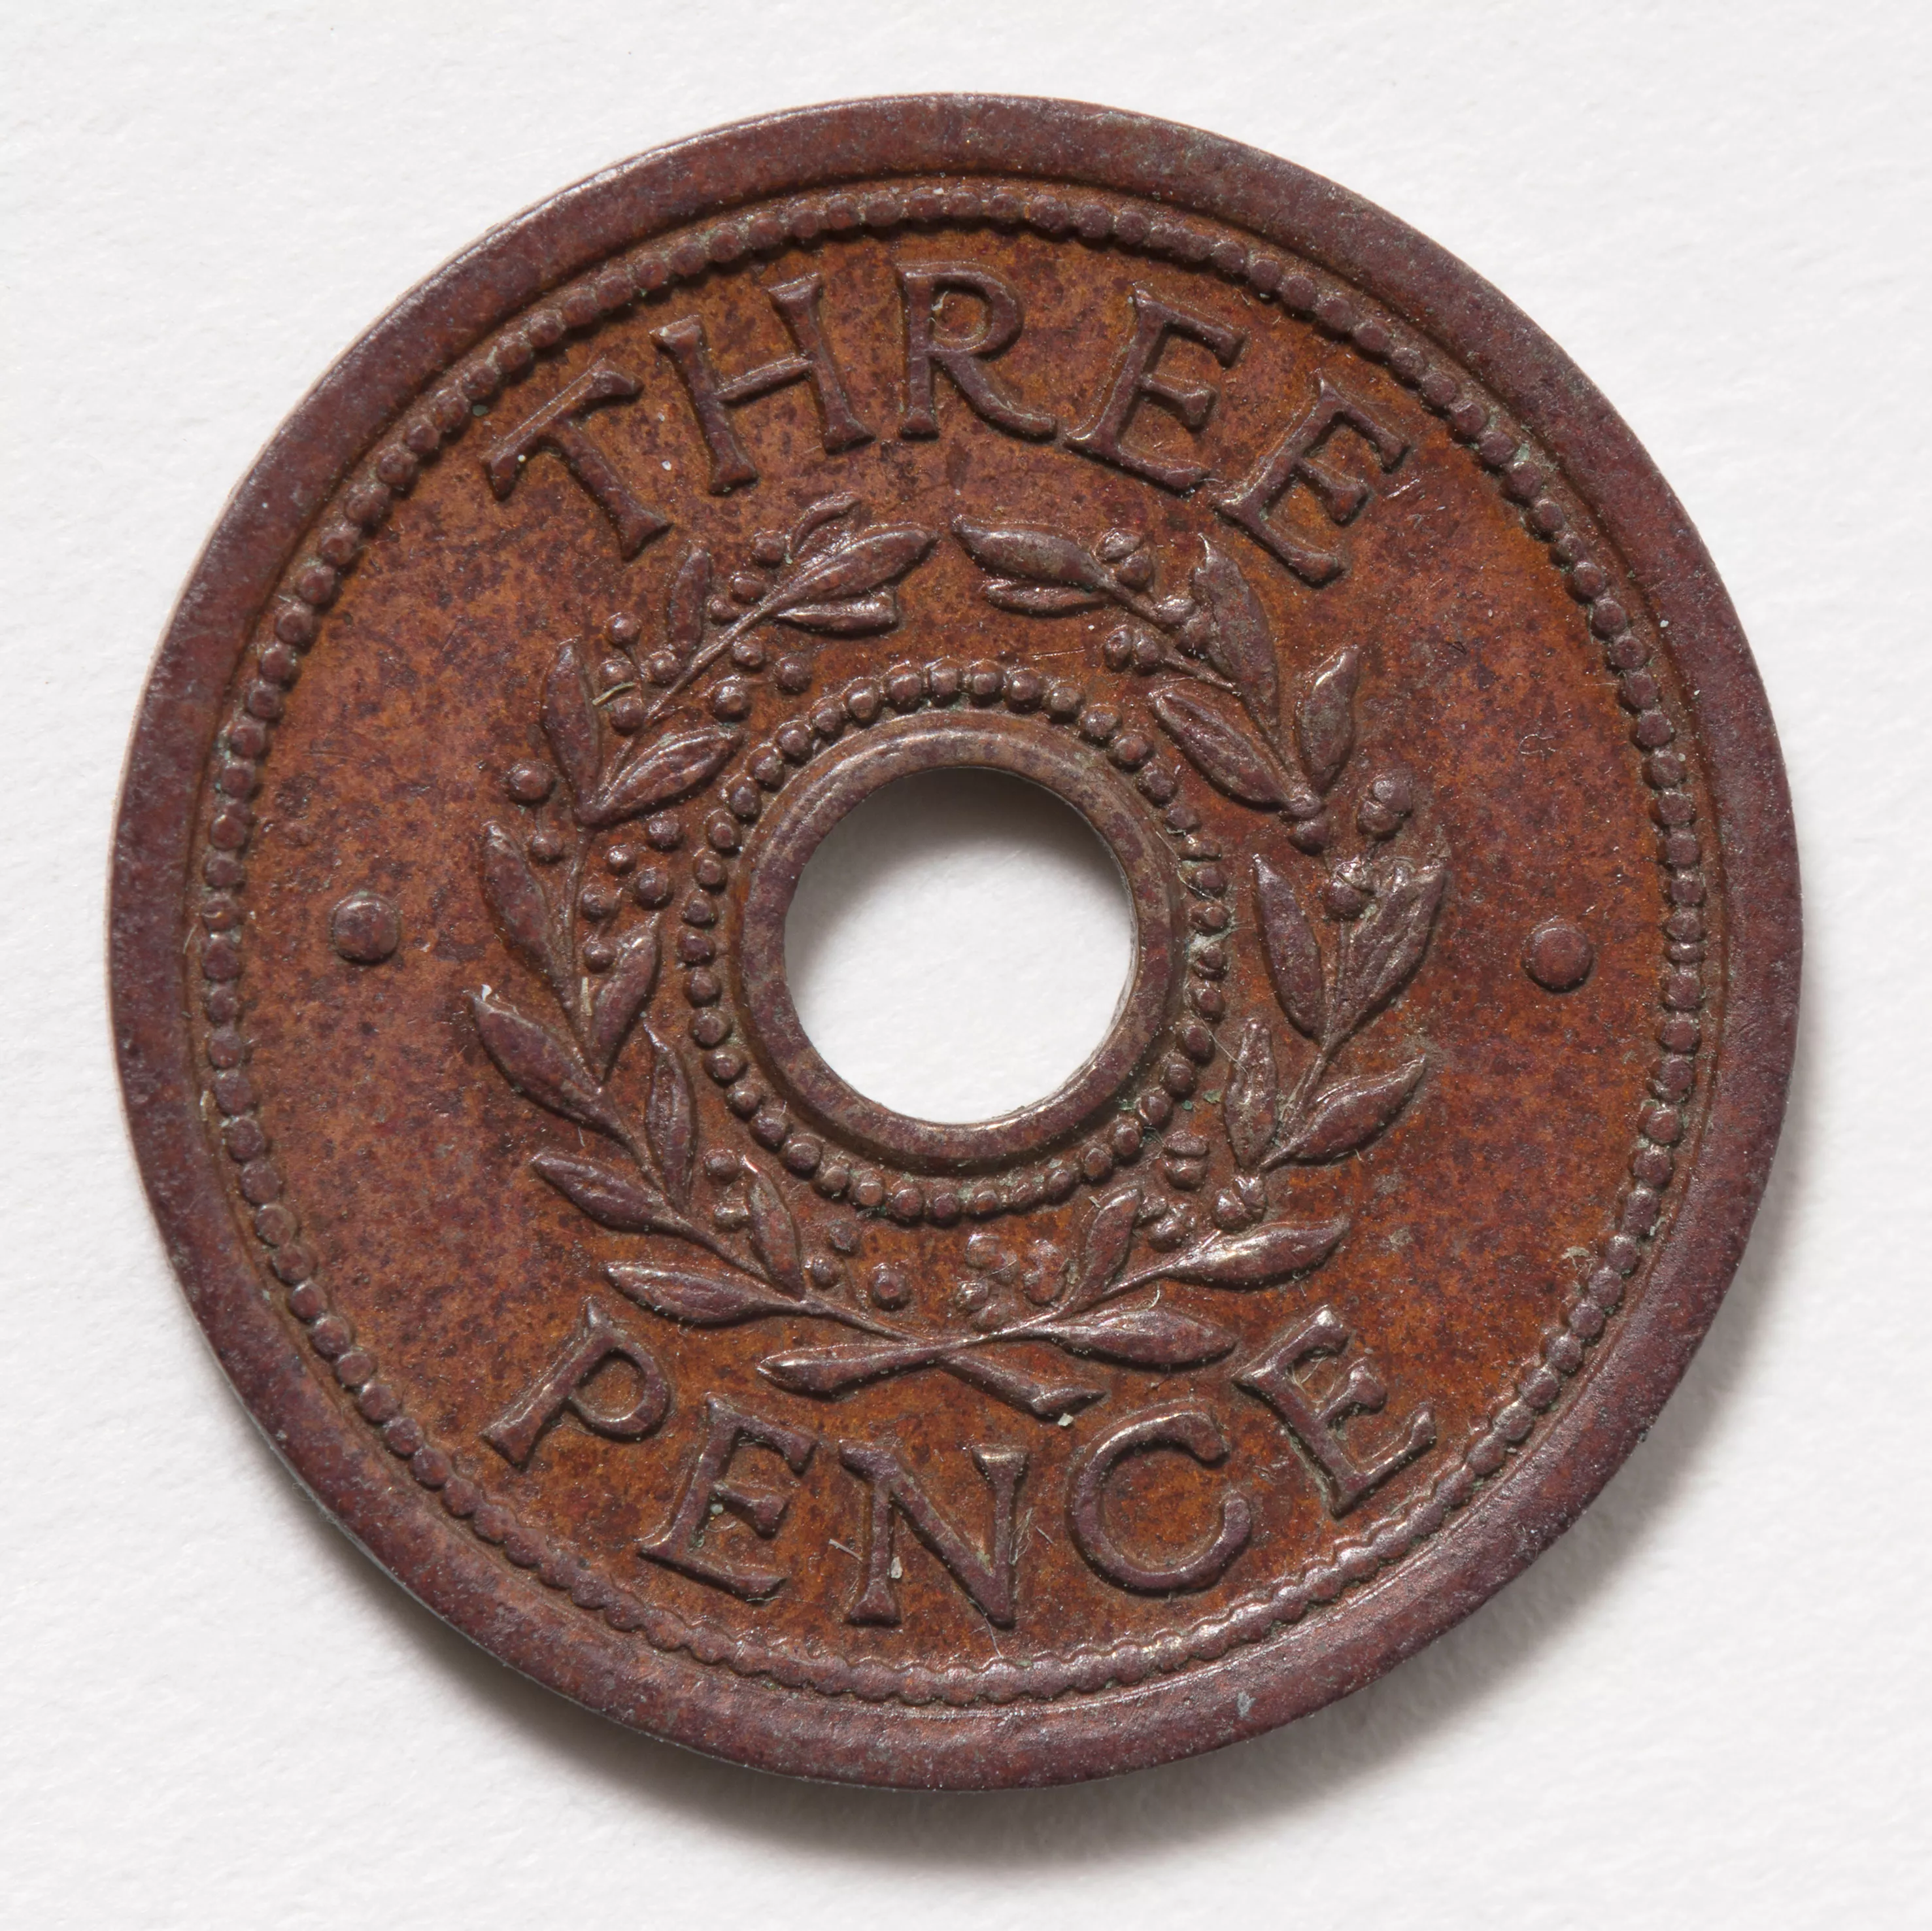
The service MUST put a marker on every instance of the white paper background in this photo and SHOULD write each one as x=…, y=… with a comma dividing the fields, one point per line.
x=1707, y=1705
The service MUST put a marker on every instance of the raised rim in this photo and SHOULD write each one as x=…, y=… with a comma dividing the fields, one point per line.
x=789, y=836
x=801, y=1733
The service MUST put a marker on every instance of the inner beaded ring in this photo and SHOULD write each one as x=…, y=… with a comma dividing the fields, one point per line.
x=795, y=828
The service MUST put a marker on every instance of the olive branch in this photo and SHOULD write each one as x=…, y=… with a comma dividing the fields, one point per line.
x=1218, y=696
x=829, y=575
x=1079, y=1319
x=1380, y=947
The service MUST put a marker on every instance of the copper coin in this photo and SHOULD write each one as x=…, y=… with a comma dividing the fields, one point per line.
x=551, y=638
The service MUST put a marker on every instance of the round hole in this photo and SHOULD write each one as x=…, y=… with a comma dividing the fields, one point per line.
x=959, y=945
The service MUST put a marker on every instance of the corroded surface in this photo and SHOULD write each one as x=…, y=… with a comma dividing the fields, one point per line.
x=474, y=787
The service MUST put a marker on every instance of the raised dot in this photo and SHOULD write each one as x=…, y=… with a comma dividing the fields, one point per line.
x=1620, y=1255
x=234, y=1092
x=1653, y=1166
x=1652, y=730
x=1640, y=1209
x=1521, y=480
x=1539, y=1388
x=1334, y=311
x=275, y=1224
x=280, y=664
x=1495, y=447
x=1373, y=338
x=365, y=928
x=355, y=1368
x=228, y=830
x=332, y=1336
x=306, y=1302
x=1683, y=991
x=379, y=1403
x=1558, y=956
x=294, y=1263
x=397, y=467
x=260, y=1182
x=1604, y=1289
x=1564, y=1353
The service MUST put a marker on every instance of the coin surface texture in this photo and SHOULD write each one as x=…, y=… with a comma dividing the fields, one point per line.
x=553, y=635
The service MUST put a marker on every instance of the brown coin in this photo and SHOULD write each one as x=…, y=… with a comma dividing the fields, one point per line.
x=548, y=642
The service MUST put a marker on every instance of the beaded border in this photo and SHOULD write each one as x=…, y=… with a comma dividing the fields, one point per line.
x=310, y=585
x=898, y=691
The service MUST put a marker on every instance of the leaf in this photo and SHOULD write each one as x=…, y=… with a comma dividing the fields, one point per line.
x=612, y=1197
x=570, y=723
x=1248, y=1106
x=1351, y=1113
x=774, y=1233
x=1033, y=555
x=1110, y=1233
x=1038, y=599
x=1255, y=1257
x=626, y=988
x=697, y=1299
x=1153, y=1336
x=670, y=768
x=856, y=616
x=1324, y=721
x=1381, y=950
x=1047, y=1400
x=1294, y=957
x=684, y=608
x=817, y=521
x=511, y=887
x=540, y=1065
x=670, y=1119
x=1212, y=731
x=1242, y=647
x=832, y=1371
x=854, y=567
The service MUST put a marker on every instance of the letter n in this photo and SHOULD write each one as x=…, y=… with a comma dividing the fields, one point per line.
x=990, y=1581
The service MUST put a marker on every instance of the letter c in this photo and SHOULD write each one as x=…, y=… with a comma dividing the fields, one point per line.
x=1194, y=1432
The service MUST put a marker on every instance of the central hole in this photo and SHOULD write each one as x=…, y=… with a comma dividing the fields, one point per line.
x=959, y=945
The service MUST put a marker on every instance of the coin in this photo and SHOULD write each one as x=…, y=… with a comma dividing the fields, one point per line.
x=550, y=639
